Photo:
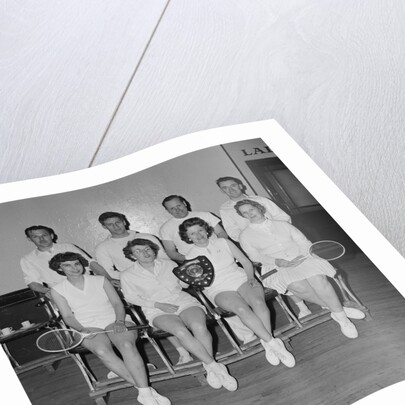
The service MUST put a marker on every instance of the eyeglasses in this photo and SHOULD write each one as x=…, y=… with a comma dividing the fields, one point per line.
x=146, y=250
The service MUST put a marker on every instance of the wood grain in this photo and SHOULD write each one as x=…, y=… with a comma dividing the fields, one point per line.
x=63, y=69
x=329, y=72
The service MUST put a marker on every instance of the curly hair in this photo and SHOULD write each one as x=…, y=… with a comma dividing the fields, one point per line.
x=111, y=214
x=139, y=242
x=55, y=262
x=230, y=178
x=191, y=222
x=182, y=199
x=27, y=231
x=255, y=204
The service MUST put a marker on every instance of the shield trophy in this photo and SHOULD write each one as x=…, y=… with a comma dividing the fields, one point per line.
x=198, y=272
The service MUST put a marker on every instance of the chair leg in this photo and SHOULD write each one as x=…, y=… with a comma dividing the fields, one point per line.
x=290, y=316
x=159, y=351
x=349, y=299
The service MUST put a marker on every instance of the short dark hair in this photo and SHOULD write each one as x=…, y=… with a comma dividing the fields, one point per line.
x=182, y=199
x=111, y=214
x=230, y=178
x=55, y=262
x=38, y=228
x=140, y=242
x=252, y=203
x=189, y=223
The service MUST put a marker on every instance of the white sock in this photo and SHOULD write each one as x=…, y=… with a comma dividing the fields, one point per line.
x=182, y=351
x=340, y=316
x=301, y=305
x=210, y=366
x=144, y=391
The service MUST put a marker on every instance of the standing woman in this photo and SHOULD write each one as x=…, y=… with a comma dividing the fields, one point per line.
x=279, y=245
x=151, y=284
x=235, y=289
x=90, y=304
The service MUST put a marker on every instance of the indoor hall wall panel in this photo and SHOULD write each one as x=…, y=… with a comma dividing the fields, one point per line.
x=64, y=67
x=330, y=72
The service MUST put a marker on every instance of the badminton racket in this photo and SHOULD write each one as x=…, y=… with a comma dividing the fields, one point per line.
x=325, y=249
x=61, y=340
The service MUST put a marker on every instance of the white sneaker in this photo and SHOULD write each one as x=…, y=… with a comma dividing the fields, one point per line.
x=346, y=327
x=304, y=312
x=153, y=398
x=270, y=355
x=278, y=348
x=183, y=359
x=160, y=399
x=111, y=374
x=228, y=382
x=354, y=313
x=213, y=379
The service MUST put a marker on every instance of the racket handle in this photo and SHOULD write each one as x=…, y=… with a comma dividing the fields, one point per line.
x=268, y=274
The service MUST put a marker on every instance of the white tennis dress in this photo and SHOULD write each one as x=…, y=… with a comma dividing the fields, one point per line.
x=228, y=275
x=271, y=240
x=91, y=306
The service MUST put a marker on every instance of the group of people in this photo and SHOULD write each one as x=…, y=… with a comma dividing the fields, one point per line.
x=141, y=265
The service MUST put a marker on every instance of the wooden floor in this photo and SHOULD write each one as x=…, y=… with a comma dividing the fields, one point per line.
x=331, y=369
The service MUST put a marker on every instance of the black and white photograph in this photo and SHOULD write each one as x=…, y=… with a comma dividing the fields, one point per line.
x=212, y=277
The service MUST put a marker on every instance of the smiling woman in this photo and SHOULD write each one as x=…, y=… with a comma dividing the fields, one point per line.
x=90, y=304
x=235, y=289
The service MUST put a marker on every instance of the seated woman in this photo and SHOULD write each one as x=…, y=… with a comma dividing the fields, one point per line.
x=90, y=303
x=280, y=245
x=151, y=284
x=234, y=289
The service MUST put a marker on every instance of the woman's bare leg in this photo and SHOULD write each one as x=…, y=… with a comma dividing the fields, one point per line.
x=101, y=346
x=125, y=343
x=174, y=325
x=233, y=301
x=195, y=320
x=254, y=296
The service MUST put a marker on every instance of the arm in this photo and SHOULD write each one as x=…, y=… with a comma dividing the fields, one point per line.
x=231, y=227
x=101, y=271
x=242, y=259
x=172, y=252
x=115, y=300
x=130, y=292
x=33, y=279
x=105, y=262
x=66, y=311
x=220, y=232
x=38, y=287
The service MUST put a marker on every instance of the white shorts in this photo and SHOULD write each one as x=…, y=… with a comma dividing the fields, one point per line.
x=183, y=300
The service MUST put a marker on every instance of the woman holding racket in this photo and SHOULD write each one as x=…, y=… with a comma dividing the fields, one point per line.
x=235, y=289
x=90, y=304
x=279, y=245
x=151, y=284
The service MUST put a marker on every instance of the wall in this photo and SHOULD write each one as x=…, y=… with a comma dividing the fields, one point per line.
x=73, y=215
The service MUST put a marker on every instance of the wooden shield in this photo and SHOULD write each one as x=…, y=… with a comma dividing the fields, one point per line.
x=198, y=272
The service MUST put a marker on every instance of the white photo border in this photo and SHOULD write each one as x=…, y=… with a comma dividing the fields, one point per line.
x=344, y=212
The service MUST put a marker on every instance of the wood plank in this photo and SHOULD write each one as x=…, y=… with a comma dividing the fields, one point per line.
x=329, y=72
x=64, y=67
x=330, y=369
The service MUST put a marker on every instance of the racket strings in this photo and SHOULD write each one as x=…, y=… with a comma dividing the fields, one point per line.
x=327, y=250
x=59, y=340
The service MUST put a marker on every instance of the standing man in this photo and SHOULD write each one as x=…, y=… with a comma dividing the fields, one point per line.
x=233, y=223
x=179, y=208
x=35, y=265
x=109, y=252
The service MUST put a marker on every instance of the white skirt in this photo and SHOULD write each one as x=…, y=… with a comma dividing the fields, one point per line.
x=286, y=275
